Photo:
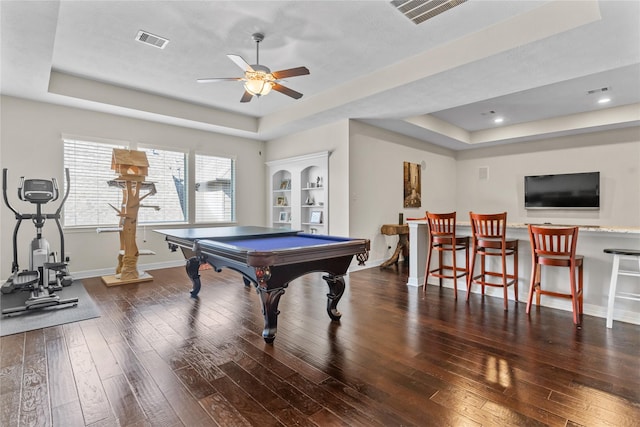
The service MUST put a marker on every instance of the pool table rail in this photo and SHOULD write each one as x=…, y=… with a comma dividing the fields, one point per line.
x=291, y=255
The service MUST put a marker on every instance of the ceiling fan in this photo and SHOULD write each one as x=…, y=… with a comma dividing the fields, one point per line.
x=258, y=79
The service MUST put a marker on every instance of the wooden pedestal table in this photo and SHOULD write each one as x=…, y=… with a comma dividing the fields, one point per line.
x=402, y=231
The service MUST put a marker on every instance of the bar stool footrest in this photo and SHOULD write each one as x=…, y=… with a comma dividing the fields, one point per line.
x=628, y=295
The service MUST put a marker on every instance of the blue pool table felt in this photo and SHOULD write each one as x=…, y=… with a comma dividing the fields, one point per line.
x=278, y=243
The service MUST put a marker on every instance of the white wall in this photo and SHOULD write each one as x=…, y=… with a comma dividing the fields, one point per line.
x=31, y=145
x=376, y=183
x=615, y=154
x=335, y=139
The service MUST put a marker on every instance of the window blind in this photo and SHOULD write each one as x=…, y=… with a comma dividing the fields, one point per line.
x=214, y=189
x=89, y=166
x=167, y=172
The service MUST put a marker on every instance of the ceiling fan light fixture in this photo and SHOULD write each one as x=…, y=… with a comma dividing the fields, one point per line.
x=258, y=79
x=258, y=83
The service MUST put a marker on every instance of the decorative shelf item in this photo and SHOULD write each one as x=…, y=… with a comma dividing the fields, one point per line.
x=315, y=217
x=285, y=184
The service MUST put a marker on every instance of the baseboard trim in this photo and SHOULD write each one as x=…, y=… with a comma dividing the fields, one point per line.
x=555, y=303
x=142, y=267
x=180, y=263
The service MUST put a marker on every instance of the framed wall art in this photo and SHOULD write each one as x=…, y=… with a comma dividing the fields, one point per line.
x=412, y=185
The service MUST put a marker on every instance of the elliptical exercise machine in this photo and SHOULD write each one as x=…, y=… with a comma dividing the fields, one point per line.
x=45, y=275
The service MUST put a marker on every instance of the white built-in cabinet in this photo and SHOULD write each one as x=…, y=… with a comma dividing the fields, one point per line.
x=299, y=193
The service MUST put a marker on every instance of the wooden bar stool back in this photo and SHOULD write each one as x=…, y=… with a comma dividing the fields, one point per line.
x=556, y=246
x=442, y=238
x=488, y=238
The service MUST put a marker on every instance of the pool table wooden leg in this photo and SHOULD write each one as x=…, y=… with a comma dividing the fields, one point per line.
x=247, y=281
x=193, y=268
x=270, y=299
x=336, y=289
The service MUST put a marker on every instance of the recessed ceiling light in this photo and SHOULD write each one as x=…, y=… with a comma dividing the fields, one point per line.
x=604, y=100
x=498, y=120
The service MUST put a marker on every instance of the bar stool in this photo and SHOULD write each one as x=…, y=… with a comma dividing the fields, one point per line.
x=618, y=255
x=442, y=238
x=489, y=239
x=556, y=247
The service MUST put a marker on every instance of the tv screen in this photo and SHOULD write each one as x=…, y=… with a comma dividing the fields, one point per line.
x=562, y=191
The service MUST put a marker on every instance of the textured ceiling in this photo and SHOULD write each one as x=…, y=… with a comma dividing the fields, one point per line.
x=529, y=61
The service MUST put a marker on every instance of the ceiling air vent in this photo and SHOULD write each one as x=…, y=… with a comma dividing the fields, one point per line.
x=600, y=90
x=419, y=11
x=150, y=39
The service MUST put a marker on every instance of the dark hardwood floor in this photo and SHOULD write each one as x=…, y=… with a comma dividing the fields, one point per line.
x=159, y=358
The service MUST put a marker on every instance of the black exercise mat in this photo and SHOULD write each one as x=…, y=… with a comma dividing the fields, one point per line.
x=50, y=316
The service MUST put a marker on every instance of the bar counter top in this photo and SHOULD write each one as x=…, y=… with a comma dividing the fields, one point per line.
x=594, y=228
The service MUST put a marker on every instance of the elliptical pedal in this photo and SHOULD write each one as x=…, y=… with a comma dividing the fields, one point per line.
x=41, y=301
x=24, y=279
x=35, y=305
x=62, y=275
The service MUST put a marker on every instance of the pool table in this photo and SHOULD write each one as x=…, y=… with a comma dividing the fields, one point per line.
x=269, y=258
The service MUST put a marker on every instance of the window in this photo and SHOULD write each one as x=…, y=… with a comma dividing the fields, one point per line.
x=215, y=189
x=92, y=202
x=89, y=166
x=167, y=172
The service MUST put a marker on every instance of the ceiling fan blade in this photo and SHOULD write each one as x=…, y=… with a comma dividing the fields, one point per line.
x=285, y=90
x=246, y=97
x=219, y=79
x=291, y=72
x=240, y=62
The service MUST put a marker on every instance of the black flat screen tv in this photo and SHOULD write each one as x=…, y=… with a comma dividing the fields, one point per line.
x=562, y=191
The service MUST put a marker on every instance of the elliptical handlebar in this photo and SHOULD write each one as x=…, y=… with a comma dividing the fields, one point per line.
x=63, y=257
x=56, y=192
x=20, y=188
x=4, y=191
x=66, y=192
x=18, y=215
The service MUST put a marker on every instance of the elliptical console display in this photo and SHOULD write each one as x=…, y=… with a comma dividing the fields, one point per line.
x=46, y=275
